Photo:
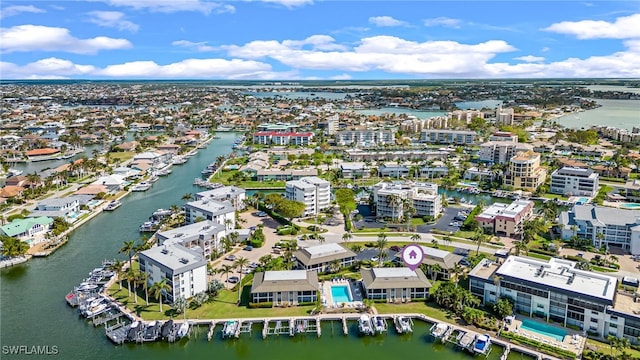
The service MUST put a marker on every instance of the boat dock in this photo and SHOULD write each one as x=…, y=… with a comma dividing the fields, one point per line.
x=281, y=327
x=345, y=328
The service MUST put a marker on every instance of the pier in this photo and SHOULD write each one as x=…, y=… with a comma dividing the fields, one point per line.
x=345, y=328
x=211, y=330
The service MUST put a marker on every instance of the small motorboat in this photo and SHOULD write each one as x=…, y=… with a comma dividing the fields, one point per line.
x=183, y=330
x=364, y=325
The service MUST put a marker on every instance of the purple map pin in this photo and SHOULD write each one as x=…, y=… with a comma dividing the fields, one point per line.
x=412, y=255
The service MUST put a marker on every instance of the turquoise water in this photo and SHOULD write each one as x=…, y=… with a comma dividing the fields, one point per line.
x=340, y=294
x=582, y=200
x=630, y=206
x=618, y=113
x=94, y=203
x=544, y=329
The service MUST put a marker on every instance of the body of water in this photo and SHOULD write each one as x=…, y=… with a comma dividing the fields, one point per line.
x=33, y=311
x=327, y=95
x=31, y=167
x=624, y=114
x=420, y=114
x=489, y=104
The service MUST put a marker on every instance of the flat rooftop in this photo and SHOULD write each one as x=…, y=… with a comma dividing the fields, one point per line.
x=285, y=275
x=560, y=274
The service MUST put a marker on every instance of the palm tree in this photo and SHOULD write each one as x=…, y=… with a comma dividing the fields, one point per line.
x=521, y=246
x=434, y=269
x=479, y=237
x=415, y=237
x=128, y=247
x=144, y=281
x=187, y=197
x=226, y=269
x=240, y=262
x=116, y=267
x=158, y=288
x=130, y=276
x=380, y=245
x=347, y=236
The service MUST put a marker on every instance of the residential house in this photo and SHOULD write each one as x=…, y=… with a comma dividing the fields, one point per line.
x=320, y=257
x=67, y=207
x=287, y=287
x=394, y=284
x=27, y=228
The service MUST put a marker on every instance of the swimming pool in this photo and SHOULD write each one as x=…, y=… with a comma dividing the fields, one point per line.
x=582, y=200
x=93, y=203
x=544, y=329
x=341, y=294
x=630, y=206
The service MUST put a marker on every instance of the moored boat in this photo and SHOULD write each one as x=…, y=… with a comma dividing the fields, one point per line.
x=113, y=205
x=364, y=325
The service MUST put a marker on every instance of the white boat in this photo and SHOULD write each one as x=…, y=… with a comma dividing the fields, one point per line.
x=142, y=186
x=379, y=324
x=403, y=324
x=364, y=325
x=482, y=344
x=230, y=328
x=183, y=330
x=87, y=287
x=438, y=330
x=179, y=160
x=149, y=226
x=162, y=213
x=113, y=205
x=97, y=310
x=153, y=178
x=15, y=172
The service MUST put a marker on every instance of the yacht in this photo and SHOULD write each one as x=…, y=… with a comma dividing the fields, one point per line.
x=142, y=186
x=230, y=328
x=97, y=310
x=482, y=344
x=183, y=330
x=403, y=324
x=379, y=324
x=179, y=160
x=149, y=226
x=364, y=325
x=438, y=330
x=160, y=213
x=113, y=205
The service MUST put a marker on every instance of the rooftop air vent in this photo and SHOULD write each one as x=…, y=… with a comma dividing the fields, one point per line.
x=184, y=260
x=164, y=251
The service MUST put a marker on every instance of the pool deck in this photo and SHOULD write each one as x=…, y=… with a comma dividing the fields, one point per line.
x=327, y=299
x=573, y=341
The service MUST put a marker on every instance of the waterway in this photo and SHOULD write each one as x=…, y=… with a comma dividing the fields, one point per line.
x=624, y=114
x=33, y=311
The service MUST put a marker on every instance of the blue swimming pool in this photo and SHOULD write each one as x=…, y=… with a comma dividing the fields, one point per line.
x=582, y=200
x=630, y=206
x=93, y=203
x=341, y=294
x=544, y=329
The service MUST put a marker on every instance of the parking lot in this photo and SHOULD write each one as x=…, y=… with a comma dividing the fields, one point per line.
x=443, y=224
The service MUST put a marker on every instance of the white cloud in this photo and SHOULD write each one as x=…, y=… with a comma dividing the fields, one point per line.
x=194, y=46
x=443, y=21
x=530, y=58
x=386, y=21
x=44, y=38
x=171, y=6
x=341, y=77
x=19, y=9
x=626, y=27
x=49, y=68
x=545, y=49
x=113, y=19
x=289, y=3
x=189, y=68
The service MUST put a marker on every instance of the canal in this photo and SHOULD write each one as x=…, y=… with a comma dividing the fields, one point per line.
x=33, y=311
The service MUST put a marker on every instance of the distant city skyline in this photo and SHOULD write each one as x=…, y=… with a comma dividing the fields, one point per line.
x=318, y=40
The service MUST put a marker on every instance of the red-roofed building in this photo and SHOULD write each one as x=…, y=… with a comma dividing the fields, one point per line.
x=282, y=138
x=42, y=152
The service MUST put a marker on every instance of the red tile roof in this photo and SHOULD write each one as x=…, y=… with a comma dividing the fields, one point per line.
x=45, y=151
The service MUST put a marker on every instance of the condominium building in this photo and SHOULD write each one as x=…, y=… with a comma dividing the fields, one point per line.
x=287, y=287
x=320, y=257
x=631, y=190
x=604, y=226
x=456, y=137
x=235, y=195
x=504, y=116
x=365, y=138
x=506, y=220
x=556, y=291
x=282, y=138
x=185, y=270
x=220, y=212
x=503, y=136
x=500, y=152
x=313, y=191
x=204, y=236
x=574, y=181
x=392, y=200
x=525, y=172
x=333, y=123
x=465, y=115
x=394, y=284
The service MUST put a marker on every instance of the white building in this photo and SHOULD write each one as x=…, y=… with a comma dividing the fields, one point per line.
x=457, y=137
x=185, y=270
x=320, y=257
x=333, y=123
x=619, y=227
x=503, y=136
x=314, y=192
x=504, y=116
x=235, y=195
x=499, y=152
x=219, y=212
x=365, y=138
x=574, y=181
x=204, y=236
x=391, y=200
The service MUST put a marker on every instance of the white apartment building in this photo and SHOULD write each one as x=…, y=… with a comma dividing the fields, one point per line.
x=458, y=137
x=503, y=136
x=392, y=199
x=313, y=191
x=465, y=115
x=572, y=181
x=500, y=152
x=185, y=270
x=220, y=212
x=204, y=237
x=333, y=123
x=504, y=116
x=365, y=138
x=618, y=227
x=235, y=195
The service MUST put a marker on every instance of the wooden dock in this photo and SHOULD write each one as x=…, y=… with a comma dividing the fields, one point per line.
x=211, y=330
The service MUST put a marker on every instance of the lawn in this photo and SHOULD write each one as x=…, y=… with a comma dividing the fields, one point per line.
x=555, y=196
x=606, y=349
x=120, y=156
x=224, y=177
x=419, y=307
x=464, y=234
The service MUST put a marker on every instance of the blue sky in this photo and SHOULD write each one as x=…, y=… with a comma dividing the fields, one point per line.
x=308, y=39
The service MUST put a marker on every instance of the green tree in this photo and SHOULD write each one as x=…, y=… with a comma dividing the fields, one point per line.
x=240, y=263
x=158, y=288
x=129, y=248
x=503, y=307
x=290, y=209
x=347, y=236
x=479, y=238
x=12, y=247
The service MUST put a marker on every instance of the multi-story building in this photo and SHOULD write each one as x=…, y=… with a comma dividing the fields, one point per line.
x=525, y=172
x=204, y=236
x=556, y=291
x=365, y=138
x=604, y=226
x=500, y=152
x=393, y=170
x=333, y=123
x=392, y=200
x=220, y=212
x=235, y=195
x=574, y=181
x=457, y=137
x=287, y=287
x=504, y=116
x=320, y=257
x=503, y=136
x=314, y=192
x=354, y=170
x=282, y=138
x=631, y=190
x=506, y=220
x=465, y=115
x=185, y=270
x=394, y=284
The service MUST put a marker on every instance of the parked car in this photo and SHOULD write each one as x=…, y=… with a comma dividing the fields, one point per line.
x=233, y=279
x=230, y=258
x=248, y=248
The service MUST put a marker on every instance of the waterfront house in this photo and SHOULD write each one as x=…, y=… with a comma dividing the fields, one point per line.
x=288, y=287
x=114, y=183
x=11, y=191
x=27, y=228
x=620, y=228
x=127, y=146
x=394, y=284
x=156, y=158
x=58, y=207
x=204, y=236
x=185, y=270
x=321, y=257
x=42, y=154
x=93, y=189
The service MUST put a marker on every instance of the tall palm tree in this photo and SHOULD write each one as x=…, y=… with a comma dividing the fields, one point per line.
x=380, y=245
x=144, y=281
x=347, y=236
x=240, y=262
x=187, y=197
x=226, y=269
x=479, y=237
x=415, y=237
x=130, y=276
x=116, y=267
x=158, y=288
x=129, y=248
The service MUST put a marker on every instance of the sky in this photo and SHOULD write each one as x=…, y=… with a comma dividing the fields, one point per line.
x=318, y=40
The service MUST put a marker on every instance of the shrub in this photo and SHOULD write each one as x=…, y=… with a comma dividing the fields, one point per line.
x=257, y=243
x=545, y=348
x=260, y=305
